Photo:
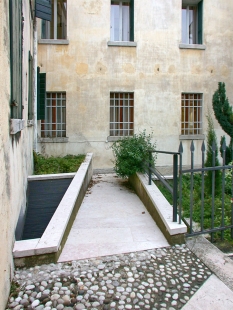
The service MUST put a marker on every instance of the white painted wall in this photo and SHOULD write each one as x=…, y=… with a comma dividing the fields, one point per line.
x=157, y=71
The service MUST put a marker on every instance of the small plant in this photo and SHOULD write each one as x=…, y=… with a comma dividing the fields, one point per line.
x=51, y=165
x=15, y=289
x=131, y=154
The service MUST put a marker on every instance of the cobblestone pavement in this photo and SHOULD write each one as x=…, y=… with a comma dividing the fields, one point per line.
x=164, y=278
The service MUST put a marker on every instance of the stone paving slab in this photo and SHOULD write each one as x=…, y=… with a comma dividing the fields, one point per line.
x=213, y=295
x=111, y=220
x=164, y=278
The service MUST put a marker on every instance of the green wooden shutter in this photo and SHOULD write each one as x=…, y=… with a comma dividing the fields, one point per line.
x=41, y=94
x=16, y=19
x=30, y=85
x=43, y=9
x=200, y=22
x=131, y=18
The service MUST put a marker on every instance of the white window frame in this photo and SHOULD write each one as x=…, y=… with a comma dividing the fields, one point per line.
x=54, y=19
x=191, y=114
x=121, y=26
x=186, y=30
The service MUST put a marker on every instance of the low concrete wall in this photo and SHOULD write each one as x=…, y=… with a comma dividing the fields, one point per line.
x=48, y=248
x=159, y=208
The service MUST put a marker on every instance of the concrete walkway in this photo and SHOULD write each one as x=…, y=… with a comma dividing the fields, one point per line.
x=99, y=275
x=111, y=220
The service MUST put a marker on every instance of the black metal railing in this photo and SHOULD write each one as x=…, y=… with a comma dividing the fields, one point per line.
x=203, y=170
x=174, y=189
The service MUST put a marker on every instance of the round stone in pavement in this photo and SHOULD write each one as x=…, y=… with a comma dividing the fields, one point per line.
x=163, y=278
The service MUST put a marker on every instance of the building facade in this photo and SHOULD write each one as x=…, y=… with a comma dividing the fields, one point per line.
x=16, y=130
x=114, y=68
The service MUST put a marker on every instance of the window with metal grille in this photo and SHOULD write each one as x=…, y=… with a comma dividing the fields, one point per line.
x=191, y=114
x=121, y=114
x=54, y=124
x=57, y=27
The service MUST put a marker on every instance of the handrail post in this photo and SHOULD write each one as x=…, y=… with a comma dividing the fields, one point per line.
x=175, y=186
x=150, y=160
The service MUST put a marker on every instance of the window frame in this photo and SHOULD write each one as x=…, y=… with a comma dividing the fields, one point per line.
x=191, y=106
x=47, y=24
x=50, y=123
x=121, y=42
x=121, y=107
x=198, y=43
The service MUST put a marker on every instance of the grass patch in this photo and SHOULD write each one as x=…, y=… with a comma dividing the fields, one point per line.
x=207, y=214
x=15, y=288
x=54, y=165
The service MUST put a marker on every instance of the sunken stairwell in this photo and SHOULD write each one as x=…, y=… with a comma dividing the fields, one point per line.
x=44, y=197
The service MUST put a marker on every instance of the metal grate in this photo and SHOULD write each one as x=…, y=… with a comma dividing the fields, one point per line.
x=191, y=114
x=121, y=114
x=54, y=124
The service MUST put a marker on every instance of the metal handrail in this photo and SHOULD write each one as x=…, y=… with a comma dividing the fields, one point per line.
x=174, y=189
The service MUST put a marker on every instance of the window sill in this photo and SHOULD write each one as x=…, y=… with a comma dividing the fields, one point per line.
x=122, y=43
x=192, y=46
x=192, y=137
x=16, y=125
x=52, y=41
x=116, y=138
x=53, y=140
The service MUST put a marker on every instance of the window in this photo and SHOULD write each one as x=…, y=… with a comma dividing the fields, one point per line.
x=122, y=21
x=54, y=124
x=121, y=114
x=57, y=28
x=191, y=114
x=192, y=22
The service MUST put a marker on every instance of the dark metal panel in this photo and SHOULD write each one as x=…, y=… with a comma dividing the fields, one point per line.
x=43, y=200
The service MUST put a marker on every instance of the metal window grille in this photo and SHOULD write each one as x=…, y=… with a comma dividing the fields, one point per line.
x=54, y=125
x=121, y=114
x=191, y=114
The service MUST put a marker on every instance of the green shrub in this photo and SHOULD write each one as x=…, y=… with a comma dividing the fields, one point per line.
x=207, y=211
x=131, y=154
x=211, y=141
x=228, y=180
x=51, y=165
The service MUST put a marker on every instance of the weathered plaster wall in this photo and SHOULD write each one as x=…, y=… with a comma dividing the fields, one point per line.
x=15, y=151
x=157, y=71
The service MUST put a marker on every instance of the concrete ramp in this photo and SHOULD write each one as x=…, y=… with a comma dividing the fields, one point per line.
x=111, y=220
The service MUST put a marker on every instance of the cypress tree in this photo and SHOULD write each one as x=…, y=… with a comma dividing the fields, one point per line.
x=212, y=142
x=224, y=115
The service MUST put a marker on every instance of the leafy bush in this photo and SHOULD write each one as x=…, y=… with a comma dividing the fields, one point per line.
x=51, y=165
x=131, y=154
